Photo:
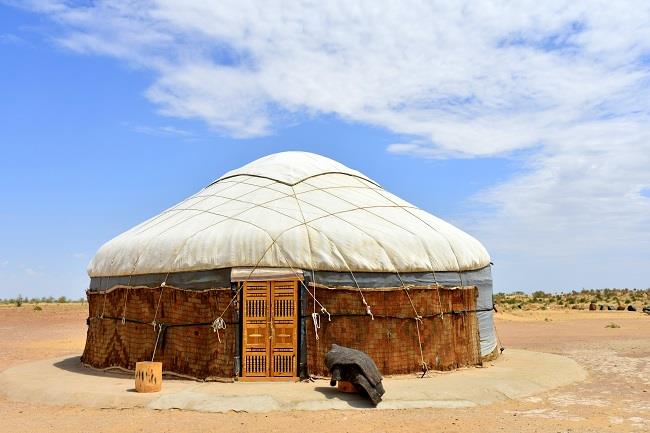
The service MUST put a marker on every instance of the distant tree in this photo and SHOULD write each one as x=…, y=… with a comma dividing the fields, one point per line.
x=19, y=301
x=62, y=300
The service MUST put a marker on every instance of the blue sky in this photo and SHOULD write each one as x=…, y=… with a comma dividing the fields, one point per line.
x=108, y=117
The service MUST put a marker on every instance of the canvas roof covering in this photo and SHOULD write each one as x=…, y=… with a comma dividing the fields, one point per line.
x=291, y=210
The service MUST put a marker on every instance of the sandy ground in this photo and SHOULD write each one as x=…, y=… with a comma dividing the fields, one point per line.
x=616, y=397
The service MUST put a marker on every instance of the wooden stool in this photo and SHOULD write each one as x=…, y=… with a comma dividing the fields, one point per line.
x=346, y=387
x=148, y=376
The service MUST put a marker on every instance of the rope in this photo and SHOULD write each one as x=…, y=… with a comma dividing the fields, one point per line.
x=126, y=295
x=166, y=325
x=394, y=316
x=363, y=298
x=104, y=305
x=425, y=367
x=442, y=314
x=155, y=316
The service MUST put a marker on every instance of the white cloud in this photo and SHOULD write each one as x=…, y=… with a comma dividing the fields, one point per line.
x=570, y=82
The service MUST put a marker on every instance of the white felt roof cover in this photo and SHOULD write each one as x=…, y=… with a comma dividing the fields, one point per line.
x=291, y=209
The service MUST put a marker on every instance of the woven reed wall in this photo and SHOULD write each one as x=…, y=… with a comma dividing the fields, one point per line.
x=190, y=350
x=448, y=342
x=391, y=339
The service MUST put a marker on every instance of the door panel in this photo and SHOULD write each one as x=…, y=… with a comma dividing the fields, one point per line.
x=256, y=329
x=284, y=334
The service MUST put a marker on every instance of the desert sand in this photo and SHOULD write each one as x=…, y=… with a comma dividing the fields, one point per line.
x=615, y=396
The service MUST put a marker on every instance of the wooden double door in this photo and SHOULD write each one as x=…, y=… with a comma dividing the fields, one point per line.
x=270, y=330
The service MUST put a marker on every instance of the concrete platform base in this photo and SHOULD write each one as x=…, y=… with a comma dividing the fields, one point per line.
x=516, y=374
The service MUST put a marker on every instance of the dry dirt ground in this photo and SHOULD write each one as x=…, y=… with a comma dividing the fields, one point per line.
x=616, y=396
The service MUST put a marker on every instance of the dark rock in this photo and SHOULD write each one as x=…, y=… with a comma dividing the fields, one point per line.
x=610, y=308
x=620, y=308
x=602, y=307
x=592, y=307
x=646, y=309
x=631, y=308
x=356, y=367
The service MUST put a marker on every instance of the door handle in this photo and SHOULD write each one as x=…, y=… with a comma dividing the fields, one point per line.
x=272, y=336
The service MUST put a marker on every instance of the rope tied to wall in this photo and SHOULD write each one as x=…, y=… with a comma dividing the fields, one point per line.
x=418, y=321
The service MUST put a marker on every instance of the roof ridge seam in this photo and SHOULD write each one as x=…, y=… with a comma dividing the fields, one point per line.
x=295, y=183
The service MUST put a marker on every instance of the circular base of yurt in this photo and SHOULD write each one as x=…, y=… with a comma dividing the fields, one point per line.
x=65, y=381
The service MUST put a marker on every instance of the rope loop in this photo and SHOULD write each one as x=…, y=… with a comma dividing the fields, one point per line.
x=218, y=324
x=315, y=317
x=368, y=311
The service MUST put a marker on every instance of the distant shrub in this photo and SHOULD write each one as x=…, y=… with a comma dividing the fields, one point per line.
x=19, y=301
x=539, y=294
x=37, y=308
x=62, y=300
x=612, y=325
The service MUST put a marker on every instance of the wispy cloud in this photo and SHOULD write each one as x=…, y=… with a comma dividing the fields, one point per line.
x=569, y=82
x=11, y=39
x=164, y=130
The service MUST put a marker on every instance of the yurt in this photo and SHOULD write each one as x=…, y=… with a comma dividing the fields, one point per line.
x=256, y=275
